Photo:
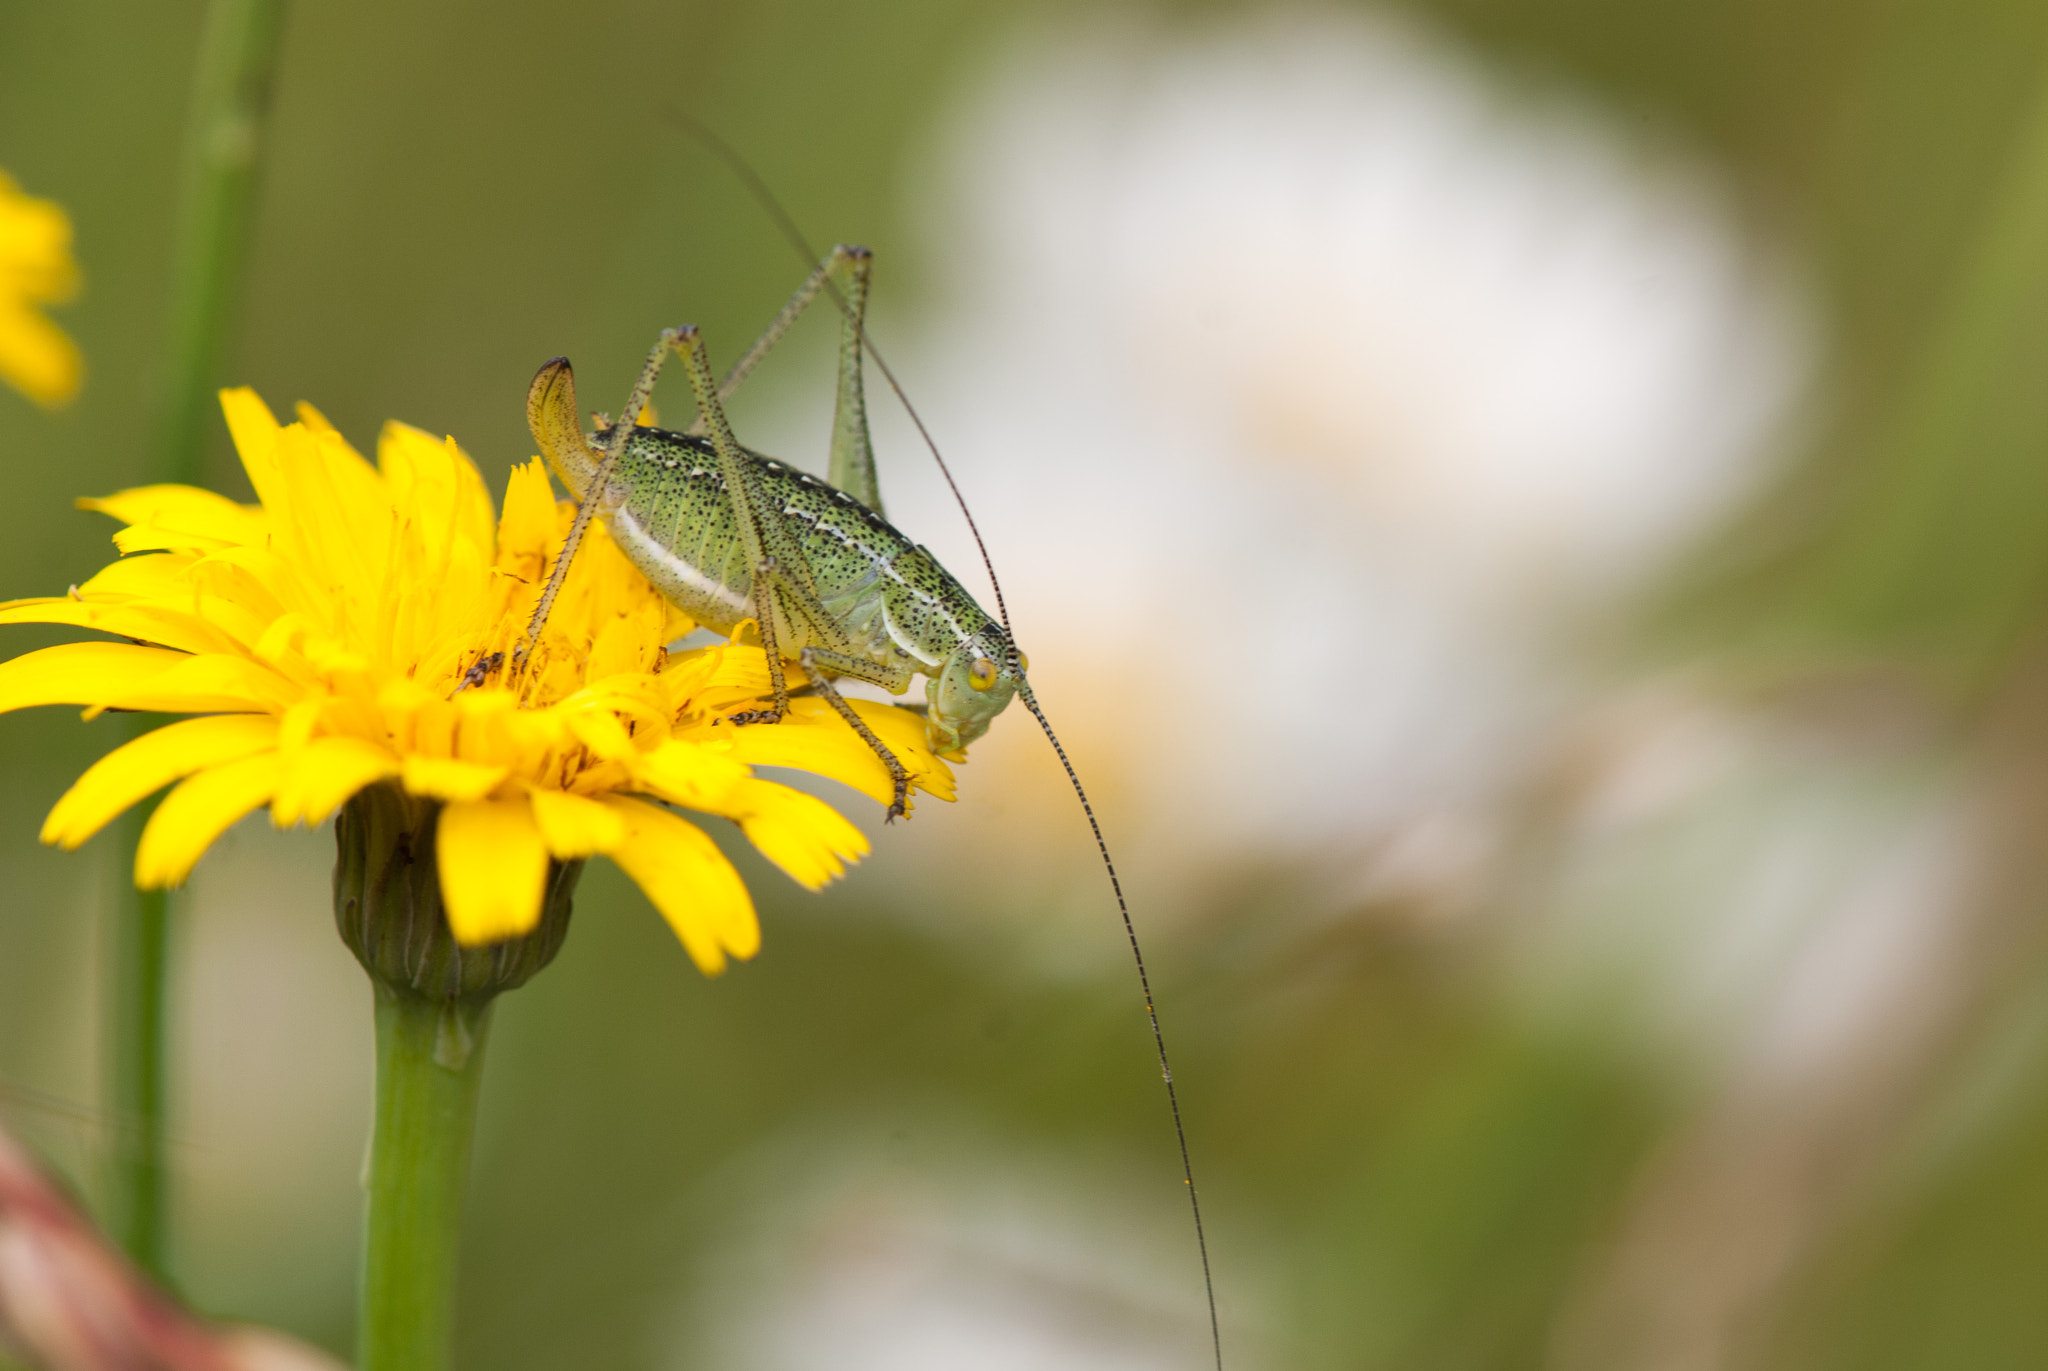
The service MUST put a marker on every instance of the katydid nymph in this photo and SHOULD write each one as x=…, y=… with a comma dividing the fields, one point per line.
x=729, y=535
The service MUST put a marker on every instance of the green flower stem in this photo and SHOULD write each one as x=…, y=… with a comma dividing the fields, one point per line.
x=430, y=1056
x=224, y=144
x=223, y=147
x=434, y=1000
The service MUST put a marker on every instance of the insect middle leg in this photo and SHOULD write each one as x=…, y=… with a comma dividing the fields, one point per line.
x=817, y=663
x=783, y=591
x=819, y=666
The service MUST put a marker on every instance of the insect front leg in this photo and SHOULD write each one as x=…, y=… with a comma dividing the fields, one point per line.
x=819, y=665
x=764, y=620
x=817, y=662
x=782, y=579
x=763, y=536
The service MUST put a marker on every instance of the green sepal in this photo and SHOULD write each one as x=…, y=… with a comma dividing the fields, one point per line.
x=387, y=907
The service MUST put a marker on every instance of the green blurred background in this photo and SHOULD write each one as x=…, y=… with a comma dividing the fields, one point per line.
x=894, y=1128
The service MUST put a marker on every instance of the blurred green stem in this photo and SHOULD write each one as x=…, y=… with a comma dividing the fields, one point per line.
x=224, y=141
x=430, y=1056
x=223, y=146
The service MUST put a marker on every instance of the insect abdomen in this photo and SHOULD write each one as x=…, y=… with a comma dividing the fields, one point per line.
x=890, y=598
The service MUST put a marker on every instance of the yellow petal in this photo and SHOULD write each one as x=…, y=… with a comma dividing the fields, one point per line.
x=690, y=882
x=174, y=510
x=528, y=523
x=445, y=778
x=148, y=764
x=81, y=673
x=161, y=577
x=314, y=419
x=718, y=680
x=36, y=266
x=146, y=538
x=255, y=431
x=254, y=578
x=573, y=826
x=687, y=773
x=601, y=732
x=623, y=645
x=803, y=835
x=202, y=808
x=903, y=732
x=38, y=358
x=162, y=627
x=675, y=624
x=38, y=237
x=814, y=738
x=332, y=521
x=322, y=775
x=494, y=869
x=213, y=681
x=436, y=485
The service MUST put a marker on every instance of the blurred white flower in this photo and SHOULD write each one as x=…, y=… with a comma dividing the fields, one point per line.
x=1318, y=393
x=1798, y=912
x=1771, y=892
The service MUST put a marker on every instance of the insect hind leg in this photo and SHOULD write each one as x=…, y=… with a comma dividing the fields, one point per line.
x=844, y=275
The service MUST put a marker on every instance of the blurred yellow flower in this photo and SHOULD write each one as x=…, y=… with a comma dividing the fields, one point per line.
x=325, y=637
x=36, y=357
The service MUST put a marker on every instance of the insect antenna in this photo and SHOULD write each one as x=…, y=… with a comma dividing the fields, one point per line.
x=744, y=170
x=1180, y=1133
x=740, y=167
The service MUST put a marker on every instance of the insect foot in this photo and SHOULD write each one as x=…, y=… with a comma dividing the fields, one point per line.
x=479, y=671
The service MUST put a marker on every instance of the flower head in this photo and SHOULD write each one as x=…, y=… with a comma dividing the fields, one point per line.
x=354, y=629
x=36, y=269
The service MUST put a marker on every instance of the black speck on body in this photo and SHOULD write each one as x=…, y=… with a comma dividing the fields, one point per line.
x=679, y=527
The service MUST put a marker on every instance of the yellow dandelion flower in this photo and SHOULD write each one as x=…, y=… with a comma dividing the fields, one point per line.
x=36, y=357
x=343, y=639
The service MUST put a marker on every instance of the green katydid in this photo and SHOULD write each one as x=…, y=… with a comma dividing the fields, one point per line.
x=730, y=535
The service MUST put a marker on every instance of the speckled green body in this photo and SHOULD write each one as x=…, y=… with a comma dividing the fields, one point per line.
x=730, y=535
x=899, y=608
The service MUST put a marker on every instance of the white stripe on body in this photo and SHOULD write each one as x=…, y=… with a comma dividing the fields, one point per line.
x=642, y=548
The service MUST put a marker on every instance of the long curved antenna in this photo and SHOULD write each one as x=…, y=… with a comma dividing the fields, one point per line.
x=740, y=167
x=1180, y=1134
x=744, y=170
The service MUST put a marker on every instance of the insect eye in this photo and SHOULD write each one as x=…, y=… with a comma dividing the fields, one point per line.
x=982, y=674
x=1023, y=662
